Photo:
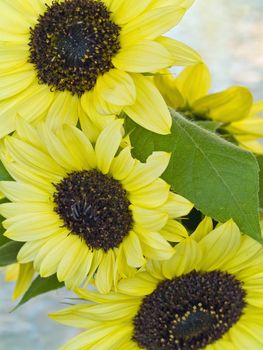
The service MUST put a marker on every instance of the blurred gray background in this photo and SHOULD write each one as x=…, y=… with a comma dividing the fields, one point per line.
x=229, y=35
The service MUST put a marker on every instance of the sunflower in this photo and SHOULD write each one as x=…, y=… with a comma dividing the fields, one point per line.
x=83, y=209
x=22, y=275
x=85, y=59
x=238, y=117
x=261, y=222
x=208, y=296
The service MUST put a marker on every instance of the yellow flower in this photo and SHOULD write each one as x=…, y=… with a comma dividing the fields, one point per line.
x=208, y=296
x=86, y=59
x=261, y=223
x=234, y=108
x=83, y=209
x=22, y=274
x=249, y=131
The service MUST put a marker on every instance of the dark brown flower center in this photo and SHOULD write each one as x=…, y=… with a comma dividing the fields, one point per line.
x=73, y=43
x=95, y=207
x=189, y=312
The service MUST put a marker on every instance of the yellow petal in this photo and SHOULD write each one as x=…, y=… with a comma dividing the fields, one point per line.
x=30, y=156
x=11, y=272
x=29, y=251
x=125, y=12
x=182, y=54
x=90, y=106
x=13, y=209
x=85, y=339
x=12, y=56
x=29, y=104
x=20, y=39
x=16, y=81
x=252, y=127
x=121, y=269
x=63, y=110
x=16, y=21
x=176, y=206
x=110, y=311
x=162, y=3
x=222, y=344
x=149, y=219
x=122, y=165
x=194, y=82
x=152, y=195
x=202, y=230
x=26, y=227
x=19, y=192
x=154, y=267
x=104, y=276
x=220, y=245
x=149, y=109
x=227, y=106
x=89, y=128
x=139, y=285
x=57, y=149
x=74, y=316
x=112, y=136
x=96, y=297
x=97, y=259
x=152, y=23
x=96, y=105
x=166, y=84
x=133, y=250
x=122, y=335
x=131, y=345
x=186, y=258
x=31, y=7
x=254, y=146
x=145, y=56
x=70, y=264
x=243, y=340
x=246, y=256
x=25, y=276
x=80, y=271
x=144, y=174
x=257, y=108
x=117, y=87
x=52, y=252
x=28, y=133
x=80, y=146
x=155, y=246
x=26, y=174
x=174, y=231
x=113, y=5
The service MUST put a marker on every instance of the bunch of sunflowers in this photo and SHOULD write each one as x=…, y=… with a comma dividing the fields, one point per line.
x=137, y=190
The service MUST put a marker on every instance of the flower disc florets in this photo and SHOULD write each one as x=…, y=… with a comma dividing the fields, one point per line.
x=95, y=207
x=189, y=312
x=73, y=43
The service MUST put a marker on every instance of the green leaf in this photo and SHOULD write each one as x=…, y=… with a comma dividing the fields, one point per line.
x=40, y=286
x=209, y=125
x=8, y=252
x=2, y=229
x=220, y=178
x=260, y=163
x=4, y=175
x=4, y=240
